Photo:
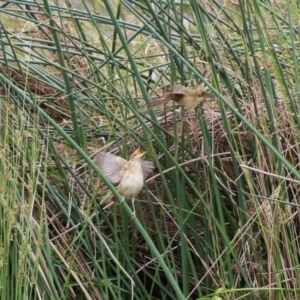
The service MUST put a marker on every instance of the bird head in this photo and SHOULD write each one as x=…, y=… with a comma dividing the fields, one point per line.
x=137, y=154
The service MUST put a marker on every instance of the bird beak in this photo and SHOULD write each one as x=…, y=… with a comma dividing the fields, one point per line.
x=139, y=153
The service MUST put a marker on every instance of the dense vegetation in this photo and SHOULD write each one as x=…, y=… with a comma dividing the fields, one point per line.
x=218, y=219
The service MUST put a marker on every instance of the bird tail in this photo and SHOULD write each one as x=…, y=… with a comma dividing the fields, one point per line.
x=158, y=101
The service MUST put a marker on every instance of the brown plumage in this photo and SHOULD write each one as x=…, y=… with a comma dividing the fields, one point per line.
x=188, y=97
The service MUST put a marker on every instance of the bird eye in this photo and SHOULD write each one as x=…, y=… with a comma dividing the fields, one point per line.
x=134, y=154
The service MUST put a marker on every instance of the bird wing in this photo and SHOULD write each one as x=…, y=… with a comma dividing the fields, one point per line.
x=111, y=165
x=147, y=167
x=176, y=91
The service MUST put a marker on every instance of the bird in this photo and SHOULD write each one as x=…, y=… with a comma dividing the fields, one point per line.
x=129, y=174
x=189, y=97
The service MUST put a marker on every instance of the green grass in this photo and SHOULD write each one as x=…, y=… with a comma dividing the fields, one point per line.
x=219, y=217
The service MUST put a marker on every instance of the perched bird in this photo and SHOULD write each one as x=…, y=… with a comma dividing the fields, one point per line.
x=186, y=96
x=130, y=174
